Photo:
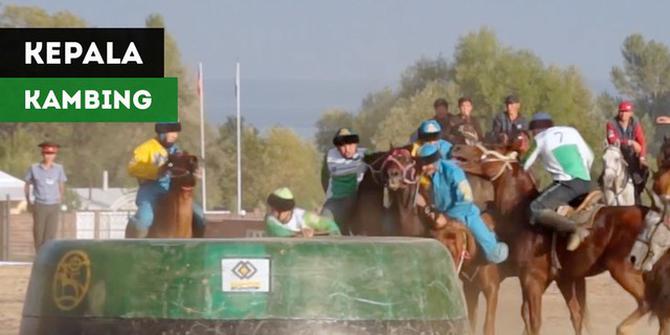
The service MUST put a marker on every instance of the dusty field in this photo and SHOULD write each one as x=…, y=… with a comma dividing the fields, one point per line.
x=608, y=305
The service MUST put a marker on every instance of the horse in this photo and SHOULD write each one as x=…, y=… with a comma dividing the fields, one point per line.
x=385, y=198
x=657, y=290
x=173, y=214
x=478, y=276
x=612, y=235
x=617, y=184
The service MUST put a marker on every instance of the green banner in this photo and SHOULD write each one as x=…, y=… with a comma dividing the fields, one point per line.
x=88, y=100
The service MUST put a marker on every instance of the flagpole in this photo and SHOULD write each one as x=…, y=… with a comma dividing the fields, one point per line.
x=201, y=90
x=239, y=152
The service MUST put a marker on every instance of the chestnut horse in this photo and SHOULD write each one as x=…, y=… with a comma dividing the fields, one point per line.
x=612, y=236
x=658, y=279
x=385, y=199
x=173, y=214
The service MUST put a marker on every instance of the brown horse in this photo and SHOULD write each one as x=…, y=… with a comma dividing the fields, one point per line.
x=658, y=288
x=385, y=198
x=612, y=236
x=478, y=276
x=173, y=215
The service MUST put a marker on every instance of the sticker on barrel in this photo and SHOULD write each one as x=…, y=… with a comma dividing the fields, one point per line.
x=245, y=274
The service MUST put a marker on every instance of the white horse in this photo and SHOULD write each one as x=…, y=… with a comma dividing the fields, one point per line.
x=617, y=185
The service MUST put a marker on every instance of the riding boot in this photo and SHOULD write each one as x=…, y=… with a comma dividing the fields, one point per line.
x=555, y=221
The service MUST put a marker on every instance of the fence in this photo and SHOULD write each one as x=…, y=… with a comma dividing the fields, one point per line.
x=16, y=234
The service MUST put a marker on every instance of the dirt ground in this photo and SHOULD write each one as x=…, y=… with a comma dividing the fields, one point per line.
x=608, y=305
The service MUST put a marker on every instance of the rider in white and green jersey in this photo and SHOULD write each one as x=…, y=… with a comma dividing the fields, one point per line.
x=568, y=159
x=285, y=220
x=343, y=169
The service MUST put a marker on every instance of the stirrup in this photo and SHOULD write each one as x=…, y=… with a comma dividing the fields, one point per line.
x=576, y=238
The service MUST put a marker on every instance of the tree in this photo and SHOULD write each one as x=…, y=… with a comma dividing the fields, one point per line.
x=424, y=71
x=328, y=124
x=374, y=110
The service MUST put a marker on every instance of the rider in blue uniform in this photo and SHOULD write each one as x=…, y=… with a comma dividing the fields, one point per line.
x=452, y=197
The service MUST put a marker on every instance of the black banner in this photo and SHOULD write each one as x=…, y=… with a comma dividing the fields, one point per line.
x=81, y=52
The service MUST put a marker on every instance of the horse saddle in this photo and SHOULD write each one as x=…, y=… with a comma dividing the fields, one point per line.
x=584, y=210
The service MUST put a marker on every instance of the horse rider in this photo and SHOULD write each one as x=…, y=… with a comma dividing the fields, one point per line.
x=285, y=220
x=149, y=166
x=442, y=117
x=507, y=125
x=452, y=197
x=429, y=132
x=464, y=126
x=627, y=131
x=568, y=159
x=343, y=169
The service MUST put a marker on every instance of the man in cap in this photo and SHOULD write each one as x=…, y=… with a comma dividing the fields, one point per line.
x=48, y=181
x=508, y=124
x=568, y=159
x=344, y=169
x=149, y=166
x=429, y=132
x=465, y=127
x=452, y=196
x=285, y=220
x=627, y=131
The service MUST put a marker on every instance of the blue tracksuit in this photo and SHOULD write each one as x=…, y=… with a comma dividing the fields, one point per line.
x=453, y=197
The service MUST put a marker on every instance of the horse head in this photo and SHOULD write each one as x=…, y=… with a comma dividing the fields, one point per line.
x=615, y=168
x=399, y=169
x=182, y=168
x=481, y=161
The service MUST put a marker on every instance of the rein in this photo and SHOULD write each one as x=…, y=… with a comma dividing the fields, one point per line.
x=508, y=160
x=408, y=172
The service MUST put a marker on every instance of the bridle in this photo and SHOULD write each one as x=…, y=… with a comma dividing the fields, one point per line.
x=409, y=176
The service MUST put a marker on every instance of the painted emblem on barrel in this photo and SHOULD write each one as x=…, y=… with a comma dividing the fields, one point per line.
x=71, y=280
x=245, y=274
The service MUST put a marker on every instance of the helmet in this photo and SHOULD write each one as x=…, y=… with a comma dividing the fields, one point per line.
x=167, y=127
x=541, y=120
x=345, y=136
x=626, y=106
x=429, y=130
x=281, y=199
x=428, y=154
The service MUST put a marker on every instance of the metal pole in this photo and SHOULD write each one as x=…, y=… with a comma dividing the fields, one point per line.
x=201, y=85
x=239, y=151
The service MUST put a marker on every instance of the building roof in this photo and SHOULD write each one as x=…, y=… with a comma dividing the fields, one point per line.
x=106, y=199
x=12, y=186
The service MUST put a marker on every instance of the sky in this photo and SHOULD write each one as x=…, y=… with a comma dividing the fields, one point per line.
x=301, y=57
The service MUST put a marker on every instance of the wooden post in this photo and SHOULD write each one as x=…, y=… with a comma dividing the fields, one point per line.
x=96, y=225
x=4, y=230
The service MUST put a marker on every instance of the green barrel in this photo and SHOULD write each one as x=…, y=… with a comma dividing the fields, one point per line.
x=324, y=286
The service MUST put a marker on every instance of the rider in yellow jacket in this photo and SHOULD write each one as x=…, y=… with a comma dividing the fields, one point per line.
x=149, y=166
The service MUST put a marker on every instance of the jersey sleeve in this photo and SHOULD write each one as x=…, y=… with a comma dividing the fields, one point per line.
x=274, y=229
x=141, y=165
x=611, y=133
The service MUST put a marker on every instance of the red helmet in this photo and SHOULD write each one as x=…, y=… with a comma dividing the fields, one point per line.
x=626, y=106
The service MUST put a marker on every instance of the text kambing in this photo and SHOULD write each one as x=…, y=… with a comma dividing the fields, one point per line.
x=88, y=99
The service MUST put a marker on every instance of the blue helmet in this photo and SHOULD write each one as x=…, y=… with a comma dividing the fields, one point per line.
x=428, y=154
x=541, y=120
x=429, y=130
